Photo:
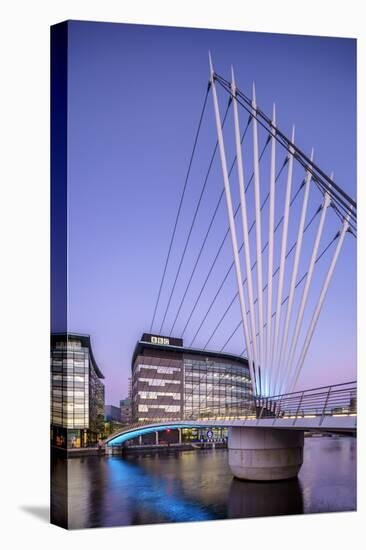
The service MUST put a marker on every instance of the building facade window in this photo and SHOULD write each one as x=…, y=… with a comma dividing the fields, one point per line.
x=216, y=387
x=77, y=393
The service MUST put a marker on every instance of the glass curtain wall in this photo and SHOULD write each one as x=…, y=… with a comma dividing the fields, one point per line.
x=70, y=390
x=216, y=388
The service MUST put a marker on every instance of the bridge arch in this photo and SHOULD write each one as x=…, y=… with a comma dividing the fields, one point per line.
x=119, y=438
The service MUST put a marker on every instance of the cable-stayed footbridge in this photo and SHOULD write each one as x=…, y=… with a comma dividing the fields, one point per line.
x=286, y=232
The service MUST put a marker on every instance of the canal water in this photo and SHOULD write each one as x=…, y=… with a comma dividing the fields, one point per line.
x=198, y=486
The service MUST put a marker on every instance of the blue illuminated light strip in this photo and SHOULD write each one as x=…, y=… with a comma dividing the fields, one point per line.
x=118, y=440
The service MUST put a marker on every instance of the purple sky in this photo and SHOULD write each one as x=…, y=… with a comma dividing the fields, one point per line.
x=135, y=95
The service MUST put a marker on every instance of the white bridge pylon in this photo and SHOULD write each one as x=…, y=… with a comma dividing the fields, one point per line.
x=276, y=343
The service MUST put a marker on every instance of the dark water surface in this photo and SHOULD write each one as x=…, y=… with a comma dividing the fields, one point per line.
x=198, y=486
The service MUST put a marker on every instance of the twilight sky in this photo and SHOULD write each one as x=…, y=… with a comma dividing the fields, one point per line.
x=135, y=95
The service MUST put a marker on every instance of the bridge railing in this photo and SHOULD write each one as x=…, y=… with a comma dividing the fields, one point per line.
x=335, y=400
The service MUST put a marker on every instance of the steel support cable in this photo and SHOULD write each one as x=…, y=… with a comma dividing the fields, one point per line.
x=224, y=240
x=302, y=159
x=178, y=214
x=351, y=229
x=302, y=278
x=284, y=341
x=239, y=250
x=193, y=222
x=207, y=395
x=285, y=299
x=319, y=304
x=338, y=211
x=266, y=285
x=231, y=266
x=170, y=363
x=271, y=246
x=341, y=218
x=205, y=181
x=180, y=203
x=231, y=221
x=258, y=243
x=207, y=234
x=222, y=377
x=347, y=211
x=283, y=246
x=304, y=299
x=343, y=211
x=330, y=187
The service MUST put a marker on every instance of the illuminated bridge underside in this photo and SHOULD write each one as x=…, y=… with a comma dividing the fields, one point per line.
x=336, y=423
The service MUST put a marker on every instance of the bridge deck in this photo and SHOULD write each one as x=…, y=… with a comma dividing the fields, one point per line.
x=336, y=423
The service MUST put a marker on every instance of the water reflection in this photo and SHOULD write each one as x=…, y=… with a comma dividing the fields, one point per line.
x=252, y=499
x=198, y=486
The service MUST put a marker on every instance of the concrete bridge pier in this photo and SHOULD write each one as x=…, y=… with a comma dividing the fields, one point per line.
x=265, y=454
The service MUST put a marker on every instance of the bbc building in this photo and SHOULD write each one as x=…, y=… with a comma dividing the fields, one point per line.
x=172, y=382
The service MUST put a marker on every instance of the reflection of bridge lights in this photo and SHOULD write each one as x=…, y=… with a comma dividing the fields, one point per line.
x=156, y=495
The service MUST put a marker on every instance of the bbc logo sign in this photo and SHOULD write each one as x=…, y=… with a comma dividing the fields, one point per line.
x=159, y=340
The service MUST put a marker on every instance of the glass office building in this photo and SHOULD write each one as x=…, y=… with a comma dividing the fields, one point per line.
x=77, y=393
x=171, y=382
